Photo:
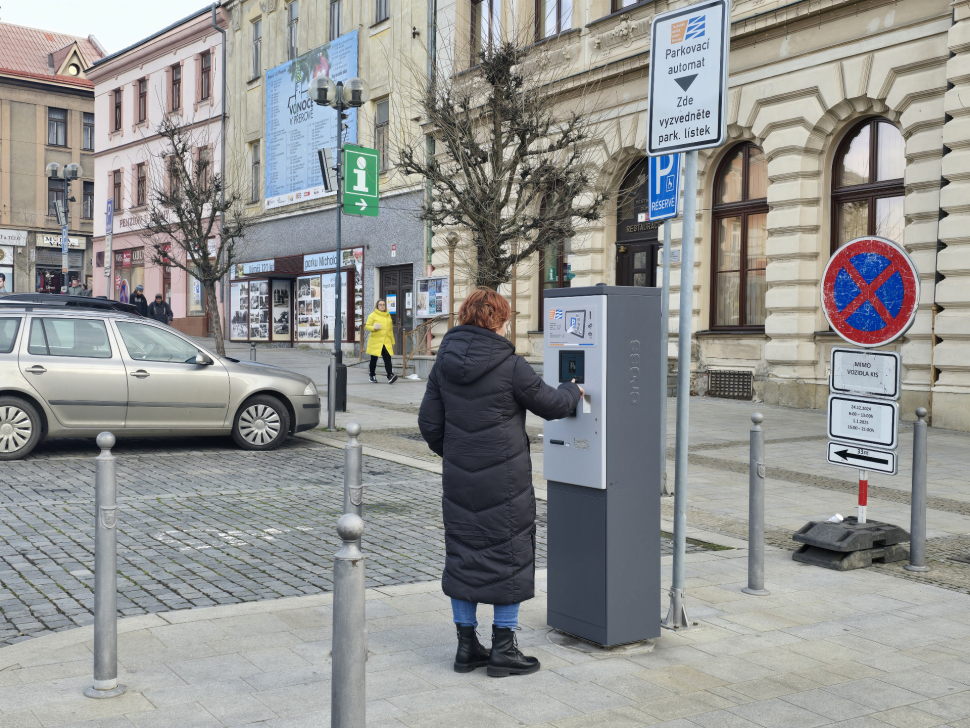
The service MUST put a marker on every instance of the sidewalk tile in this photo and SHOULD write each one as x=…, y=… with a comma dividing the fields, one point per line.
x=541, y=681
x=864, y=721
x=394, y=682
x=958, y=670
x=599, y=670
x=932, y=686
x=775, y=686
x=46, y=673
x=213, y=669
x=118, y=721
x=748, y=643
x=285, y=678
x=532, y=708
x=932, y=654
x=681, y=678
x=308, y=618
x=684, y=706
x=274, y=659
x=777, y=713
x=733, y=669
x=470, y=715
x=951, y=707
x=295, y=700
x=667, y=656
x=826, y=704
x=24, y=719
x=180, y=694
x=909, y=716
x=874, y=693
x=316, y=719
x=253, y=643
x=191, y=715
x=237, y=710
x=635, y=688
x=81, y=709
x=625, y=717
x=722, y=719
x=190, y=633
x=163, y=656
x=429, y=700
x=318, y=653
x=587, y=697
x=760, y=621
x=390, y=660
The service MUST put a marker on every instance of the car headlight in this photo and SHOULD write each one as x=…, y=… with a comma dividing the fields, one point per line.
x=311, y=389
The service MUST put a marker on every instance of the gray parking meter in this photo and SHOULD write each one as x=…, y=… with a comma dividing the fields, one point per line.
x=601, y=463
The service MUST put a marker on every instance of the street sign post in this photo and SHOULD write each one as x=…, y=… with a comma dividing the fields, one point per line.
x=870, y=291
x=664, y=184
x=688, y=78
x=865, y=372
x=881, y=461
x=361, y=189
x=863, y=421
x=109, y=226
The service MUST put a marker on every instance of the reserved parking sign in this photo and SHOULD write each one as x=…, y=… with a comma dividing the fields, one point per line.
x=664, y=183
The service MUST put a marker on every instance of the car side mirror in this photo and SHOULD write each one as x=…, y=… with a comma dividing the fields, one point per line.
x=201, y=358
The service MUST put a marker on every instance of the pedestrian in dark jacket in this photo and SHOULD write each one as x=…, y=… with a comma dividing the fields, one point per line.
x=473, y=416
x=139, y=301
x=160, y=310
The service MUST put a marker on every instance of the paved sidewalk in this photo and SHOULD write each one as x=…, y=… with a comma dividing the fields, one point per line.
x=857, y=650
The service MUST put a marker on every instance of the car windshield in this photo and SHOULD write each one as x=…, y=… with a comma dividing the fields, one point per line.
x=147, y=343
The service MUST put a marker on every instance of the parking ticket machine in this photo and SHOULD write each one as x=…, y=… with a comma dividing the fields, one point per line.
x=601, y=463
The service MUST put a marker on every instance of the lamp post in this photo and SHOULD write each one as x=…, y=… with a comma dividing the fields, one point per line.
x=66, y=174
x=452, y=239
x=341, y=96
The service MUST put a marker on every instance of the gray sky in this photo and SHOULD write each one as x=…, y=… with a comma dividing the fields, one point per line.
x=115, y=23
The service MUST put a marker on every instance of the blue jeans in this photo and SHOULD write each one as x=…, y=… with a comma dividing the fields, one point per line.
x=506, y=615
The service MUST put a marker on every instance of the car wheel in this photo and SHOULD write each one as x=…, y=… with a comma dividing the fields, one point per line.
x=20, y=428
x=262, y=423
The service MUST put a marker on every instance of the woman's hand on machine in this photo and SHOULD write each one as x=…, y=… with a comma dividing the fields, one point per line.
x=582, y=392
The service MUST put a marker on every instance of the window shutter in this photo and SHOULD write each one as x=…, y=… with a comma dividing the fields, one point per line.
x=168, y=89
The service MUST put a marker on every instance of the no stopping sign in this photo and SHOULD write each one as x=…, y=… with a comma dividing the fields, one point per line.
x=870, y=291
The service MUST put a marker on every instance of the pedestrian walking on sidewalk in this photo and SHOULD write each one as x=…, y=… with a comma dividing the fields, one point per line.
x=160, y=310
x=139, y=301
x=473, y=416
x=380, y=342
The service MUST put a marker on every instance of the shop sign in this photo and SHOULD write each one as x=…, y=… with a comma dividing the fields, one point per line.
x=255, y=268
x=126, y=259
x=54, y=241
x=15, y=237
x=328, y=260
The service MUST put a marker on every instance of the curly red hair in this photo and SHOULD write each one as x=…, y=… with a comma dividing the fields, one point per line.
x=485, y=308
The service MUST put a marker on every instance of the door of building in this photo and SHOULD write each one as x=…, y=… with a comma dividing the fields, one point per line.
x=397, y=286
x=636, y=264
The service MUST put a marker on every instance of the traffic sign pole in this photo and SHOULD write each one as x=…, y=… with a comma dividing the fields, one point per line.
x=337, y=359
x=863, y=495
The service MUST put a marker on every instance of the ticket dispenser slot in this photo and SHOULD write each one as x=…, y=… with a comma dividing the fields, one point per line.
x=602, y=463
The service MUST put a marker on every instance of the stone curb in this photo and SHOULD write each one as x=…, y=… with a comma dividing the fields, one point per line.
x=375, y=453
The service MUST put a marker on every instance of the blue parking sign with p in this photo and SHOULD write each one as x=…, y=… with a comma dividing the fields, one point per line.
x=664, y=184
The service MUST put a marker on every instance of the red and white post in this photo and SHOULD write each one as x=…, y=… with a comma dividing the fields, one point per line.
x=863, y=495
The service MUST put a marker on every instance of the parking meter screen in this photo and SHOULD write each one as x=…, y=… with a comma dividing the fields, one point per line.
x=571, y=366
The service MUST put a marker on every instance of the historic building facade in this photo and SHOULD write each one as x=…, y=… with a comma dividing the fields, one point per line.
x=844, y=118
x=46, y=115
x=174, y=74
x=274, y=133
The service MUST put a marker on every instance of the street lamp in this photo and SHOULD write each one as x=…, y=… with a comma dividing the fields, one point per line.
x=340, y=95
x=67, y=174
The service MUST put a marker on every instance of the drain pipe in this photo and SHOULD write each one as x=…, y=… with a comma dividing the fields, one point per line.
x=222, y=148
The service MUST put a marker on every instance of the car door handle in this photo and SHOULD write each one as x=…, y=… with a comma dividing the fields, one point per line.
x=36, y=369
x=141, y=374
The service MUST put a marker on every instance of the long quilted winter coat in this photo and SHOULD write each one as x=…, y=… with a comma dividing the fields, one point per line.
x=473, y=416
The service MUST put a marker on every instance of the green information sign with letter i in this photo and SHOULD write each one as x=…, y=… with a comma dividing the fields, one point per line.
x=360, y=180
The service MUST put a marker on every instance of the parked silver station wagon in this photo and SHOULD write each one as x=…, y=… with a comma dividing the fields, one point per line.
x=76, y=373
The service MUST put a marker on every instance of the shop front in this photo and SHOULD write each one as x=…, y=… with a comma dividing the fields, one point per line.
x=48, y=262
x=290, y=300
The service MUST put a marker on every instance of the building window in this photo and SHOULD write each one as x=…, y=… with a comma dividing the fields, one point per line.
x=336, y=13
x=87, y=132
x=382, y=126
x=618, y=5
x=203, y=168
x=174, y=183
x=117, y=100
x=292, y=26
x=55, y=193
x=141, y=188
x=57, y=127
x=116, y=190
x=142, y=100
x=739, y=237
x=176, y=87
x=867, y=197
x=254, y=184
x=486, y=27
x=87, y=201
x=553, y=17
x=382, y=11
x=255, y=54
x=205, y=79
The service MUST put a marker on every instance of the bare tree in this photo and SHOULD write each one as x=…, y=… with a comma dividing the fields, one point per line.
x=184, y=215
x=510, y=169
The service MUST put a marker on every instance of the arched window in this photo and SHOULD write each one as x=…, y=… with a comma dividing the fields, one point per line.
x=867, y=189
x=636, y=237
x=739, y=237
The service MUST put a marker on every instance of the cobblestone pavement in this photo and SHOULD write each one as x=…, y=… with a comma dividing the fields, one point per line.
x=203, y=523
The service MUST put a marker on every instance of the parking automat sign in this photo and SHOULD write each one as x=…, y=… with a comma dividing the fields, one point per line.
x=881, y=461
x=870, y=291
x=664, y=184
x=862, y=421
x=865, y=372
x=360, y=181
x=688, y=78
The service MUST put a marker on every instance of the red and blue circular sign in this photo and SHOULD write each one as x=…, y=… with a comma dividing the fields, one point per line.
x=870, y=291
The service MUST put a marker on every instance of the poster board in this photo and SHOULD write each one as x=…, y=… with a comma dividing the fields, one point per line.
x=259, y=310
x=282, y=316
x=308, y=308
x=239, y=311
x=432, y=297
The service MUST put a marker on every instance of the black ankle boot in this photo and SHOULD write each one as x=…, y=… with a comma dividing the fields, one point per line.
x=505, y=658
x=471, y=653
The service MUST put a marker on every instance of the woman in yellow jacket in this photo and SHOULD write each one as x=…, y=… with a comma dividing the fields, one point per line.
x=381, y=341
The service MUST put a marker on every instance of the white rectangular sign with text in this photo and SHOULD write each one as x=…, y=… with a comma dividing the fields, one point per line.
x=863, y=421
x=866, y=372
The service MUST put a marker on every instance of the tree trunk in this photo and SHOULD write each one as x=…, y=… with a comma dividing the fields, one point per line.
x=215, y=320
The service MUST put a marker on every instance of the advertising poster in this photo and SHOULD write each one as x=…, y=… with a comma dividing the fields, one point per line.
x=329, y=317
x=239, y=311
x=432, y=296
x=308, y=312
x=296, y=127
x=281, y=311
x=259, y=310
x=6, y=269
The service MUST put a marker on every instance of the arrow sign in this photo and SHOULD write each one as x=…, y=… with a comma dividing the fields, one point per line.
x=361, y=186
x=685, y=81
x=362, y=205
x=880, y=461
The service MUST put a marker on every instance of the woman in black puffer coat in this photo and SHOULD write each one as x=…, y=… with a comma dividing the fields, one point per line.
x=473, y=416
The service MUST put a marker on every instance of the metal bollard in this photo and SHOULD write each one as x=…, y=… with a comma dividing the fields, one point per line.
x=353, y=478
x=105, y=575
x=347, y=688
x=756, y=510
x=917, y=509
x=252, y=351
